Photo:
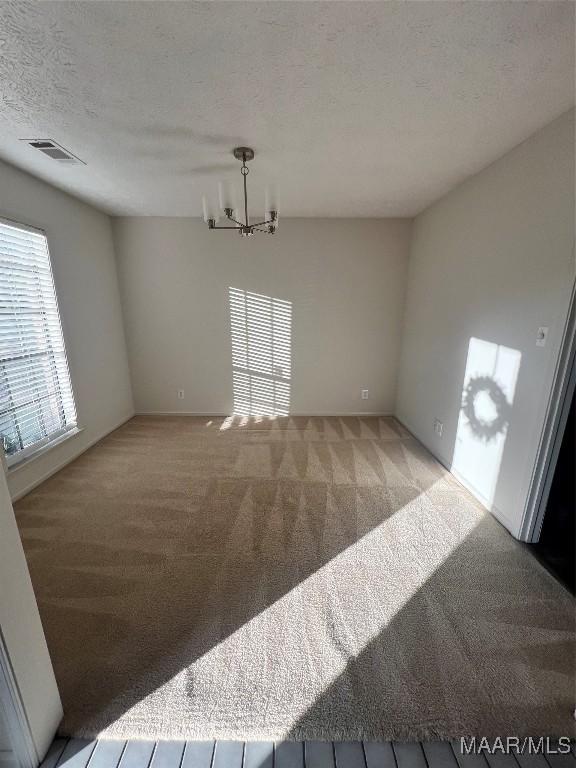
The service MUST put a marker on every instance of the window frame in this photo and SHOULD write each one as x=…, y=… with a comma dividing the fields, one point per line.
x=13, y=461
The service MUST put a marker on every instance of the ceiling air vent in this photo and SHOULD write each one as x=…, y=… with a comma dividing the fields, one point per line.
x=54, y=151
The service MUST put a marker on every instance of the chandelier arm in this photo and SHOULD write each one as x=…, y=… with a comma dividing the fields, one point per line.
x=262, y=223
x=231, y=218
x=217, y=227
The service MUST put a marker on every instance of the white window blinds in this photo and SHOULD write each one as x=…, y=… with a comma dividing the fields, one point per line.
x=36, y=400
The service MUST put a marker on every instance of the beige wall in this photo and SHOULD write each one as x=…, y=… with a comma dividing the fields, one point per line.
x=490, y=263
x=84, y=270
x=345, y=280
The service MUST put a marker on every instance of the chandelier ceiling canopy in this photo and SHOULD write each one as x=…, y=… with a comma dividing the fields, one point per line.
x=240, y=219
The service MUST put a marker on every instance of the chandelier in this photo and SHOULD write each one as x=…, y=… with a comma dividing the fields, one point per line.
x=226, y=196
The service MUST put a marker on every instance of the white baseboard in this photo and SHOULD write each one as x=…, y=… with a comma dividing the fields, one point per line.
x=61, y=464
x=227, y=415
x=489, y=507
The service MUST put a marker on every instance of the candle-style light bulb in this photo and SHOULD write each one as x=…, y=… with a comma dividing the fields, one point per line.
x=209, y=212
x=271, y=201
x=226, y=196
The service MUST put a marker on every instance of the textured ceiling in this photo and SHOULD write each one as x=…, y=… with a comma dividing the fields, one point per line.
x=354, y=108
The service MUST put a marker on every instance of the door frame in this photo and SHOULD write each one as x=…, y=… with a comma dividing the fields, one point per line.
x=30, y=704
x=563, y=386
x=13, y=711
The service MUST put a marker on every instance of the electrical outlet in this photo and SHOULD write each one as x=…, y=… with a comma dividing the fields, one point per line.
x=180, y=394
x=364, y=393
x=438, y=427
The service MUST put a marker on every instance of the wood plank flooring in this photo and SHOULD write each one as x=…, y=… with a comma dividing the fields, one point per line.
x=82, y=753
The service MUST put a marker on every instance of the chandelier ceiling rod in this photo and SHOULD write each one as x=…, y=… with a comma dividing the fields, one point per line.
x=245, y=171
x=270, y=222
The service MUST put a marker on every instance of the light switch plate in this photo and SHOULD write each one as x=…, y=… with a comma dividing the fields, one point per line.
x=542, y=336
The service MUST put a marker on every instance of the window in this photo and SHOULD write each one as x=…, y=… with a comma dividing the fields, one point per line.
x=36, y=400
x=261, y=330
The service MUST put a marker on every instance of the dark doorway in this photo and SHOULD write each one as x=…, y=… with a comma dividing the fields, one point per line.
x=557, y=538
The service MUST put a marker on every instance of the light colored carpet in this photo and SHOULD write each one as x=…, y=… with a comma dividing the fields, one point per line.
x=305, y=577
